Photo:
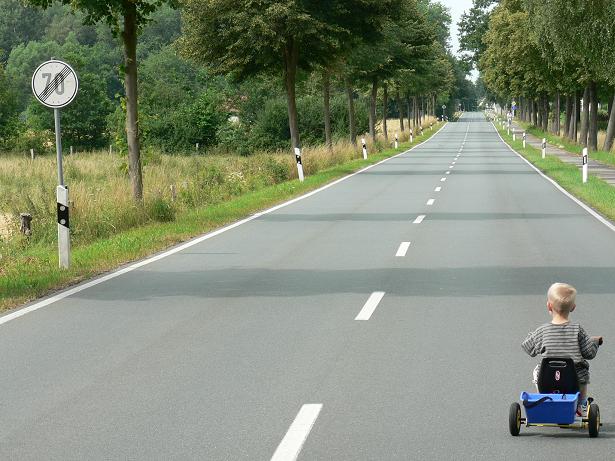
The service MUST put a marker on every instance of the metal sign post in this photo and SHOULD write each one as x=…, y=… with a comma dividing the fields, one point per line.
x=55, y=85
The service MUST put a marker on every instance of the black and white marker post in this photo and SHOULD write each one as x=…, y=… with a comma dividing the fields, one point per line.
x=55, y=85
x=364, y=148
x=299, y=163
x=544, y=147
x=411, y=136
x=524, y=136
x=396, y=141
x=585, y=165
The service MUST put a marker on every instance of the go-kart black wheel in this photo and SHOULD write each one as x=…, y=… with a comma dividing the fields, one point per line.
x=514, y=419
x=593, y=417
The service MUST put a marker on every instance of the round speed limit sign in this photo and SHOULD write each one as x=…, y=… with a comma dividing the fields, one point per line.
x=55, y=84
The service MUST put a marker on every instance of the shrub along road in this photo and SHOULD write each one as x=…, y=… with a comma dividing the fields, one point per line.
x=380, y=318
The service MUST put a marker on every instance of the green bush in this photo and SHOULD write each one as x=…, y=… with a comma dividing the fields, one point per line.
x=160, y=210
x=271, y=131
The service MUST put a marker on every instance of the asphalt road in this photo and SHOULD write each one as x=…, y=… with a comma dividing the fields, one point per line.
x=212, y=352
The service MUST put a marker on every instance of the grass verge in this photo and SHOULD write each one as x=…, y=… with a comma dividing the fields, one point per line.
x=596, y=193
x=566, y=144
x=39, y=274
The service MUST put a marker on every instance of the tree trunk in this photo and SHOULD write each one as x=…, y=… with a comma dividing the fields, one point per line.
x=534, y=113
x=352, y=124
x=291, y=59
x=400, y=111
x=326, y=93
x=568, y=105
x=610, y=130
x=539, y=113
x=545, y=113
x=129, y=38
x=556, y=114
x=372, y=108
x=592, y=134
x=385, y=102
x=409, y=111
x=584, y=117
x=574, y=125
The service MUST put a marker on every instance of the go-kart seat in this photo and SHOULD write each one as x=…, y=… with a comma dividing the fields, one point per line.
x=557, y=376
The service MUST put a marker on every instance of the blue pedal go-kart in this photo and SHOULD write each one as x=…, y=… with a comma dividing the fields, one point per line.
x=556, y=403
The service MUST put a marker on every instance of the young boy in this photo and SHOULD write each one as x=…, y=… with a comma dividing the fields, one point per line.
x=561, y=338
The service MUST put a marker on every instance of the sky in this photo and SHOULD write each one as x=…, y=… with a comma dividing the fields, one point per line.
x=457, y=7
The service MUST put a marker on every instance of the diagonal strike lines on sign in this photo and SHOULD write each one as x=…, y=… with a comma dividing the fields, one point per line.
x=55, y=83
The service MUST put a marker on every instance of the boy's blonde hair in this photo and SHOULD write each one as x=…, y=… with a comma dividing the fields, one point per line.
x=562, y=297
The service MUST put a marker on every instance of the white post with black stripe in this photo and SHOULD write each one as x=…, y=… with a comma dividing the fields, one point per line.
x=585, y=165
x=544, y=147
x=524, y=138
x=411, y=136
x=63, y=227
x=396, y=141
x=514, y=135
x=55, y=85
x=299, y=164
x=364, y=148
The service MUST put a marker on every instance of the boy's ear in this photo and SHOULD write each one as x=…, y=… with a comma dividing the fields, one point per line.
x=573, y=307
x=549, y=306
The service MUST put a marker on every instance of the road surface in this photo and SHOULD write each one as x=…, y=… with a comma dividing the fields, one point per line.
x=314, y=330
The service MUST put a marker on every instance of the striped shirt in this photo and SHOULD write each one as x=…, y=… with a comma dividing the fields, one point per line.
x=568, y=340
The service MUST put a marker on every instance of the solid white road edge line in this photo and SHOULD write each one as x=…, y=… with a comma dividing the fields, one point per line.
x=419, y=219
x=587, y=208
x=430, y=201
x=370, y=305
x=64, y=294
x=292, y=443
x=403, y=249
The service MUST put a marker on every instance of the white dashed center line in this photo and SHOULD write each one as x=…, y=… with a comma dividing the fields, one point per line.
x=370, y=305
x=448, y=172
x=437, y=189
x=442, y=179
x=430, y=201
x=403, y=249
x=293, y=441
x=419, y=219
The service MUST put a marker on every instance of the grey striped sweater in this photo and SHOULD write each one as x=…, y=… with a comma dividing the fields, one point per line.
x=567, y=340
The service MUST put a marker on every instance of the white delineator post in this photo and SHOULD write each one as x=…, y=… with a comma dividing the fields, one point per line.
x=299, y=163
x=411, y=136
x=396, y=141
x=32, y=154
x=364, y=148
x=585, y=165
x=544, y=147
x=63, y=227
x=524, y=136
x=514, y=135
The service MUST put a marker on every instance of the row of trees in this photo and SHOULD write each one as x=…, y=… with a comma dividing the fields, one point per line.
x=553, y=56
x=392, y=50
